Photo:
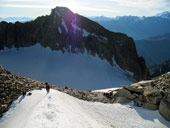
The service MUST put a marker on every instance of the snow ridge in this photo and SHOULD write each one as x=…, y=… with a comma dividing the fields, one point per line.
x=60, y=110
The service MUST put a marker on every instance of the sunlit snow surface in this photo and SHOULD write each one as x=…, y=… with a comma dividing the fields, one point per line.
x=59, y=110
x=79, y=71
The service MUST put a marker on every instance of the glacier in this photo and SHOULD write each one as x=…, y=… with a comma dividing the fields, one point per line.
x=76, y=70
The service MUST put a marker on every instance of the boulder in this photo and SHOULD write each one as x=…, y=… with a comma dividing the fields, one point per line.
x=138, y=102
x=65, y=87
x=164, y=109
x=122, y=100
x=146, y=83
x=167, y=96
x=150, y=90
x=133, y=89
x=153, y=99
x=3, y=94
x=125, y=93
x=135, y=85
x=150, y=106
x=1, y=90
x=141, y=97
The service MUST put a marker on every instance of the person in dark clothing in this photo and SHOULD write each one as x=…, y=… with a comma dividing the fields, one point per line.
x=47, y=87
x=24, y=93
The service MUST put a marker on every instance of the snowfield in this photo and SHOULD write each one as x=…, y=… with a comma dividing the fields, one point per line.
x=78, y=71
x=59, y=110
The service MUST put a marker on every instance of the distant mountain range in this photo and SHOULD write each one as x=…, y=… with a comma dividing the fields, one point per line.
x=151, y=34
x=165, y=15
x=158, y=69
x=137, y=27
x=155, y=49
x=100, y=18
x=14, y=19
x=160, y=37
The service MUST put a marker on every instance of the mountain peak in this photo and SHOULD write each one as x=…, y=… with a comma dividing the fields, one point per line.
x=64, y=30
x=60, y=11
x=165, y=14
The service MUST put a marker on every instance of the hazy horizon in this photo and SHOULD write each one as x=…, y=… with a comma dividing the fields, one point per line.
x=93, y=16
x=108, y=8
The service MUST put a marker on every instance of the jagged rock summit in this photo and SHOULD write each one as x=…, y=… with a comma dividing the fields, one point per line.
x=67, y=31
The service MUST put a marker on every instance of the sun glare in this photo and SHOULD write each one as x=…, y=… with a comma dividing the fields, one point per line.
x=72, y=4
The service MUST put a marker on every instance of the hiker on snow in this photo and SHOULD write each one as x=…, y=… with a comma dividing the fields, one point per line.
x=47, y=87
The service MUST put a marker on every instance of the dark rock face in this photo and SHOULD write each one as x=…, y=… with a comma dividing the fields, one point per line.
x=64, y=30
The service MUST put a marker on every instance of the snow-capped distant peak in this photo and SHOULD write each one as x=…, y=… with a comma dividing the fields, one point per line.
x=15, y=19
x=165, y=15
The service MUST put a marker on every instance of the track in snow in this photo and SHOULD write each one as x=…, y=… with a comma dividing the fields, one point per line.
x=59, y=110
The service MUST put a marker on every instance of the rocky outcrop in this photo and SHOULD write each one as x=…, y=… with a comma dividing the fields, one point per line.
x=152, y=94
x=164, y=109
x=12, y=86
x=64, y=30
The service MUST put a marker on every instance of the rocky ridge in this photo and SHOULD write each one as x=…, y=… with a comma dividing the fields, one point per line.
x=64, y=30
x=153, y=94
x=12, y=86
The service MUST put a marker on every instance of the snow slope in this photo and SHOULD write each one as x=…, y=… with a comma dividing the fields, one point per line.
x=78, y=71
x=59, y=110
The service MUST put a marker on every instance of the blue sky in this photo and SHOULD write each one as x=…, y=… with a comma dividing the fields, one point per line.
x=109, y=8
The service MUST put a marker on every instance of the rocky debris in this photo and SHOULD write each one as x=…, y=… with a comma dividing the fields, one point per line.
x=12, y=86
x=152, y=94
x=86, y=95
